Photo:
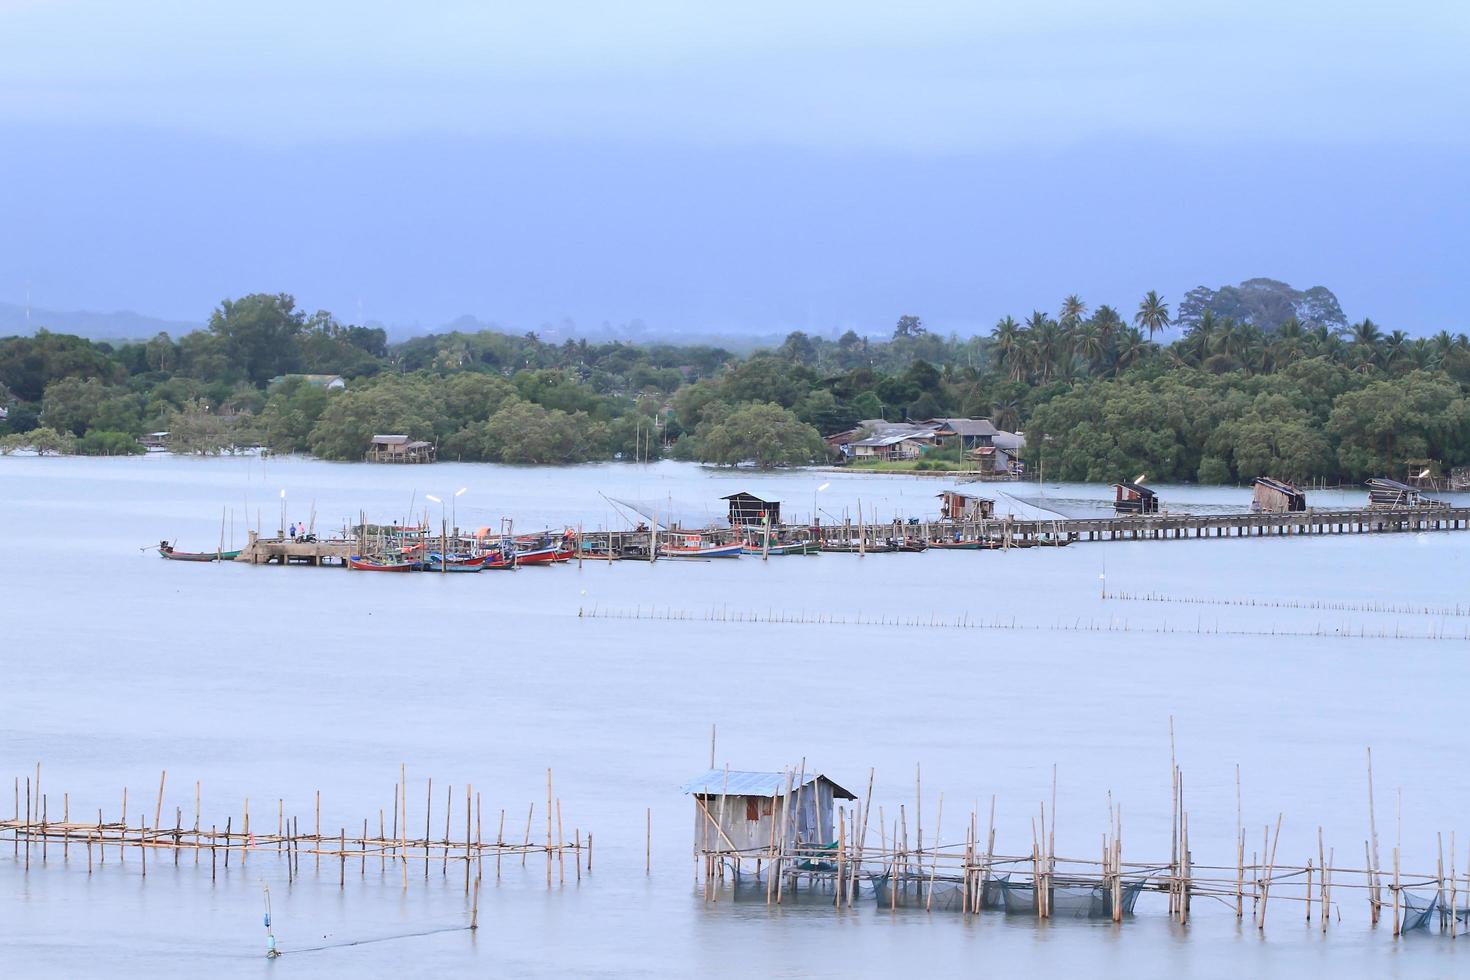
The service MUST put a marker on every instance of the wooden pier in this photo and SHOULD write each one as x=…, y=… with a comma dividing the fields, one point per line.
x=902, y=534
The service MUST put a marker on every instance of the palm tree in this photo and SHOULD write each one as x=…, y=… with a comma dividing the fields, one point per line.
x=1394, y=347
x=1131, y=346
x=1201, y=336
x=1005, y=334
x=1089, y=343
x=1073, y=309
x=1108, y=322
x=1153, y=314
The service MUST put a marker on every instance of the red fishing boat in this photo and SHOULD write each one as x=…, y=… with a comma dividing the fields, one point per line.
x=545, y=555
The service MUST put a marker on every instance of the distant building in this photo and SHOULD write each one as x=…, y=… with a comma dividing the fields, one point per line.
x=1389, y=494
x=746, y=811
x=896, y=446
x=971, y=433
x=748, y=510
x=154, y=441
x=956, y=506
x=1133, y=498
x=400, y=449
x=328, y=381
x=1276, y=497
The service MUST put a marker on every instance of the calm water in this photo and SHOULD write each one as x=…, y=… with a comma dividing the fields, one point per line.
x=272, y=683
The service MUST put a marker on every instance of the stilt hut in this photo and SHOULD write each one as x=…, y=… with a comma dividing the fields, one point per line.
x=746, y=811
x=399, y=449
x=1131, y=497
x=1276, y=497
x=748, y=510
x=956, y=506
x=1392, y=495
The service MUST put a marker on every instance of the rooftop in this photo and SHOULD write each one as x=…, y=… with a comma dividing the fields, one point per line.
x=716, y=782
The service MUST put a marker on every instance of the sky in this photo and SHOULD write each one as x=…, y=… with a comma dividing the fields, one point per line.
x=757, y=167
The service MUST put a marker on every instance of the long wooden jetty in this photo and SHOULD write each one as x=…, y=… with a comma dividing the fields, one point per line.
x=908, y=534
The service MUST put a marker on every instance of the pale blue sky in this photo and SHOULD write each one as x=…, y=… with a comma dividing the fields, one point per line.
x=752, y=166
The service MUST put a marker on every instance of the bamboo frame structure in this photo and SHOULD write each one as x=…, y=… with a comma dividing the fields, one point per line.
x=966, y=871
x=30, y=830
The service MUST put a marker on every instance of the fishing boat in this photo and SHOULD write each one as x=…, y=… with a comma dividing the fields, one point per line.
x=546, y=555
x=166, y=550
x=852, y=548
x=362, y=564
x=757, y=547
x=500, y=559
x=694, y=546
x=454, y=563
x=910, y=546
x=951, y=545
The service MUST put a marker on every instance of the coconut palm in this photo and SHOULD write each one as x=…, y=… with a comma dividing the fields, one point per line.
x=1073, y=309
x=1005, y=334
x=1153, y=314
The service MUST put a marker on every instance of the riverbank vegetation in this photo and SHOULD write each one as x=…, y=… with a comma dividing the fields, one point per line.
x=1097, y=396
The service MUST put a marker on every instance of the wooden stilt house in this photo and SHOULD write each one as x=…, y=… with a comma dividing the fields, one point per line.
x=1276, y=497
x=746, y=811
x=748, y=510
x=956, y=506
x=1131, y=498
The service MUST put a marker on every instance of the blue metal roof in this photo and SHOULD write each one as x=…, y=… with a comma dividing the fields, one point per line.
x=738, y=783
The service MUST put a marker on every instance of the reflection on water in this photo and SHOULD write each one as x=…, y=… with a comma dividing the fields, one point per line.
x=274, y=683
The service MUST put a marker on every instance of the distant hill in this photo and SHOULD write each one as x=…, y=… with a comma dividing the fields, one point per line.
x=1263, y=303
x=122, y=325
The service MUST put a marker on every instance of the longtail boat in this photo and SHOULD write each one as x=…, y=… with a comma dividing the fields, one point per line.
x=779, y=548
x=166, y=550
x=362, y=564
x=944, y=545
x=694, y=546
x=500, y=559
x=454, y=563
x=544, y=556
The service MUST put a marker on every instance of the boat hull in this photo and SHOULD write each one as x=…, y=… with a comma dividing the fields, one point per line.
x=173, y=555
x=368, y=565
x=718, y=551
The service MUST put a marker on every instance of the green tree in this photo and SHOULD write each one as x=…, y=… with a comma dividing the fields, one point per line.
x=765, y=434
x=260, y=334
x=1152, y=315
x=70, y=404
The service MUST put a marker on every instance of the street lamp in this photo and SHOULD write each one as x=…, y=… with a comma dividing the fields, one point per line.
x=815, y=521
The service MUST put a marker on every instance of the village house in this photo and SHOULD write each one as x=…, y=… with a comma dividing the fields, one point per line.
x=399, y=449
x=747, y=811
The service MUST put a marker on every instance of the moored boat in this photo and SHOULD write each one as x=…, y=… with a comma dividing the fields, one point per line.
x=694, y=546
x=782, y=548
x=547, y=555
x=362, y=564
x=166, y=550
x=454, y=563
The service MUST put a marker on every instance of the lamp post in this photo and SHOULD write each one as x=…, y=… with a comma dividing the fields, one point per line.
x=283, y=513
x=816, y=522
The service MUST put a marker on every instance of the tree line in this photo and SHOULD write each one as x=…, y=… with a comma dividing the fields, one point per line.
x=1097, y=395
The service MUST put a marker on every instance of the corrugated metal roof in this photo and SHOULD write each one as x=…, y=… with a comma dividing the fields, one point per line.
x=740, y=783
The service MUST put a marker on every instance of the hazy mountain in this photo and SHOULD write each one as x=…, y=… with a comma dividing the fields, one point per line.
x=120, y=325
